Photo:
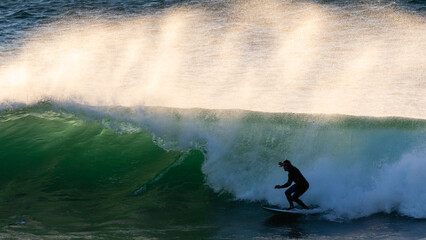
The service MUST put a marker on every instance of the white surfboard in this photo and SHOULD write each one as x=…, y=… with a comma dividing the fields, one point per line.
x=294, y=211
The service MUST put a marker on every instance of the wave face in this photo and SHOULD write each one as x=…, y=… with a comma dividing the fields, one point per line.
x=71, y=173
x=356, y=166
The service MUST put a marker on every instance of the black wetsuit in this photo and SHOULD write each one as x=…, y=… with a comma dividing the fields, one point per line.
x=300, y=186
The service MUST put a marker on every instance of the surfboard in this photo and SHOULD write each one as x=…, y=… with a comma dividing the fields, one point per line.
x=294, y=211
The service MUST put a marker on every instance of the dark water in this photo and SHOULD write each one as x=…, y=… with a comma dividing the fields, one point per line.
x=19, y=17
x=77, y=172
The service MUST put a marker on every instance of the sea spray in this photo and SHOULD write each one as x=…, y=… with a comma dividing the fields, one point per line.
x=276, y=57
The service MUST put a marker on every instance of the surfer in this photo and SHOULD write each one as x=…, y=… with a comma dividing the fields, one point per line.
x=300, y=184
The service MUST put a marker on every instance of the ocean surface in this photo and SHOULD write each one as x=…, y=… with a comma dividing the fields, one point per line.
x=166, y=119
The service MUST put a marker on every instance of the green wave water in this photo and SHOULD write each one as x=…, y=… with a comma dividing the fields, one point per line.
x=62, y=173
x=76, y=171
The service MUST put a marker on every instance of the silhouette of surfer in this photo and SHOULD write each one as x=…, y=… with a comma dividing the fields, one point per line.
x=300, y=184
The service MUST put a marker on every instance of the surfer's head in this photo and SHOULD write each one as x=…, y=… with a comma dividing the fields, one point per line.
x=286, y=164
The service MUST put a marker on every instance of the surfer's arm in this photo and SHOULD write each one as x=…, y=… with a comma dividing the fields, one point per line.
x=287, y=184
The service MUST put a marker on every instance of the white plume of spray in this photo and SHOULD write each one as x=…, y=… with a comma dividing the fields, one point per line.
x=275, y=57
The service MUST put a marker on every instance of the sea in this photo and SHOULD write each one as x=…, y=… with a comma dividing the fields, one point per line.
x=166, y=119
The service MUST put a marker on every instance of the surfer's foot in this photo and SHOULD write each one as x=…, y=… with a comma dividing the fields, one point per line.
x=290, y=208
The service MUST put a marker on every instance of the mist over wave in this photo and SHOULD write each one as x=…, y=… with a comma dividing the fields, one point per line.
x=278, y=57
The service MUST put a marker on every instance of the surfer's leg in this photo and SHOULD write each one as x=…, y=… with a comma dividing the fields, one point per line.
x=298, y=201
x=288, y=193
x=297, y=194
